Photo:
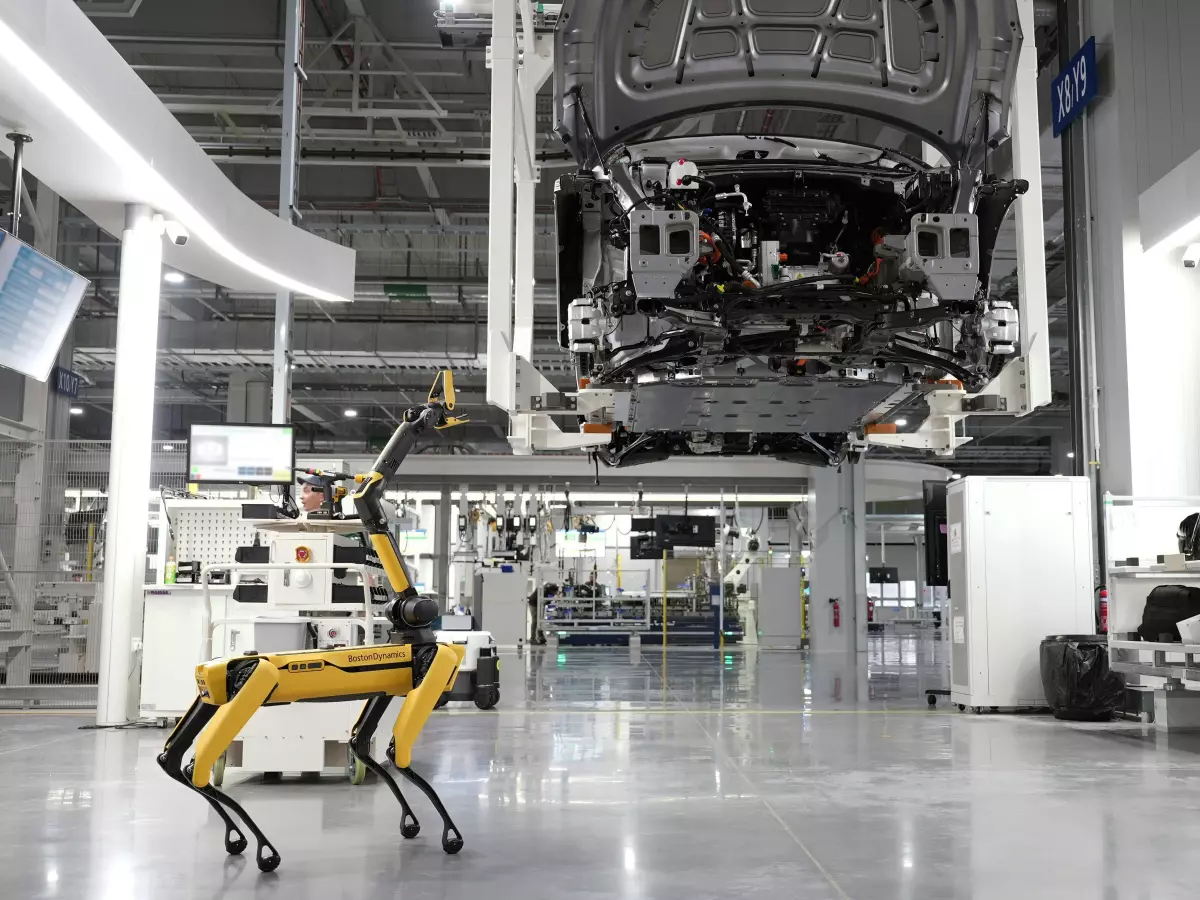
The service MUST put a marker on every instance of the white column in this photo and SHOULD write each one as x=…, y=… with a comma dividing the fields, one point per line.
x=129, y=463
x=837, y=564
x=441, y=549
x=523, y=271
x=288, y=159
x=1026, y=129
x=501, y=366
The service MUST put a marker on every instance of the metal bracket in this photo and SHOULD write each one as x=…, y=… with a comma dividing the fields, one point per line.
x=553, y=403
x=985, y=403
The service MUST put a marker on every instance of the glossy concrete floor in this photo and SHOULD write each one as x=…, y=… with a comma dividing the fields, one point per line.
x=605, y=774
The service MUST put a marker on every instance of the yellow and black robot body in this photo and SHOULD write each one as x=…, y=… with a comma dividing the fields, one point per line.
x=412, y=665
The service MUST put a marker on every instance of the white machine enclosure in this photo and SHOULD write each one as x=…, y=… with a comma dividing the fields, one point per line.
x=474, y=641
x=780, y=607
x=502, y=605
x=1020, y=562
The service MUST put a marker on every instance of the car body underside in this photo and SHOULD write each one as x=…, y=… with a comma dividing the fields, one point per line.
x=754, y=256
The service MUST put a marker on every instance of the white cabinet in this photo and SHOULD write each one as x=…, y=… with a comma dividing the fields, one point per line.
x=1020, y=560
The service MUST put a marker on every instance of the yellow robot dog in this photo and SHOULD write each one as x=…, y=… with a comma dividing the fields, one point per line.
x=412, y=665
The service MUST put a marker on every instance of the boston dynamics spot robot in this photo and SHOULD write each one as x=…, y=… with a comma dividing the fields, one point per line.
x=412, y=665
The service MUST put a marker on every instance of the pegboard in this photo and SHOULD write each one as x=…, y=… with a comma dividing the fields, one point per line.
x=209, y=531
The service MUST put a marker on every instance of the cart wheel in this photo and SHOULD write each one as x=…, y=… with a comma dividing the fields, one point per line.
x=978, y=710
x=487, y=699
x=218, y=771
x=442, y=701
x=356, y=769
x=962, y=707
x=931, y=699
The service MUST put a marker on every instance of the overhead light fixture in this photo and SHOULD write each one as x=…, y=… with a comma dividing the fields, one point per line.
x=159, y=193
x=174, y=277
x=1071, y=454
x=168, y=446
x=350, y=413
x=900, y=423
x=77, y=410
x=955, y=476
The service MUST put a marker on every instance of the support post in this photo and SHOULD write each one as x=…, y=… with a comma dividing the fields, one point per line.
x=1025, y=125
x=501, y=363
x=293, y=71
x=719, y=639
x=19, y=140
x=129, y=463
x=441, y=550
x=837, y=564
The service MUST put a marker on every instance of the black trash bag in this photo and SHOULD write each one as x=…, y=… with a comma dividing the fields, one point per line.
x=1078, y=683
x=1167, y=605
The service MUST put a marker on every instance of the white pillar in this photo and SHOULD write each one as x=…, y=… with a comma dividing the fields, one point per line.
x=523, y=270
x=288, y=159
x=441, y=550
x=1029, y=213
x=129, y=462
x=501, y=366
x=837, y=564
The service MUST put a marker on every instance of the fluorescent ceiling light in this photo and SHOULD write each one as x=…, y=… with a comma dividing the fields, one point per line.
x=77, y=410
x=159, y=193
x=350, y=413
x=174, y=277
x=900, y=423
x=1071, y=455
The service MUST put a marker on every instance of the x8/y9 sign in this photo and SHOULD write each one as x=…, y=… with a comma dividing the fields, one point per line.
x=1075, y=87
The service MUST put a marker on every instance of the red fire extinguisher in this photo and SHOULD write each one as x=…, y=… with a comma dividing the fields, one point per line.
x=870, y=610
x=1103, y=610
x=837, y=613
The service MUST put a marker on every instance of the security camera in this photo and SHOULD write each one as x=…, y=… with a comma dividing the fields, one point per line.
x=176, y=233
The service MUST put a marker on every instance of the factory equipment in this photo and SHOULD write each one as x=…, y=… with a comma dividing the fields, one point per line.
x=1012, y=584
x=501, y=604
x=780, y=607
x=478, y=679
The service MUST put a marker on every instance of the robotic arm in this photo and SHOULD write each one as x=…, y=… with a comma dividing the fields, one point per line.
x=437, y=413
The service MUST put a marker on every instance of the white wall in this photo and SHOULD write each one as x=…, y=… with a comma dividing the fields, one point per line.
x=1138, y=131
x=1164, y=72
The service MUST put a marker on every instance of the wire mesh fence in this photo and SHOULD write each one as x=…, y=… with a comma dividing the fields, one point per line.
x=53, y=504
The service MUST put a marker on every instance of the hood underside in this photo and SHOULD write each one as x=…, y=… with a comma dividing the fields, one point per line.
x=873, y=72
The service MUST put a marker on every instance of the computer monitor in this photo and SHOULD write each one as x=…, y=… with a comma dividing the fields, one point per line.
x=241, y=454
x=38, y=301
x=937, y=572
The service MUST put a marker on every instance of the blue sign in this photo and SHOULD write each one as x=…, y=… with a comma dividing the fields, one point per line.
x=1075, y=87
x=65, y=382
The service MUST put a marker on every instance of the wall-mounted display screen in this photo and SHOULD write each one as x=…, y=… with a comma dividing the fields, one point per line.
x=38, y=300
x=241, y=454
